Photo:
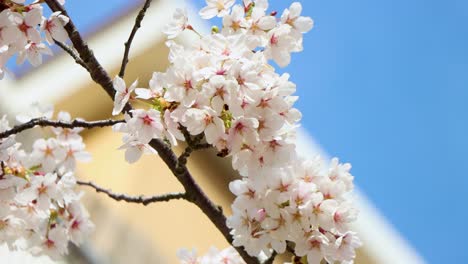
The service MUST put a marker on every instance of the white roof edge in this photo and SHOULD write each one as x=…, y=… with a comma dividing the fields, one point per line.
x=382, y=242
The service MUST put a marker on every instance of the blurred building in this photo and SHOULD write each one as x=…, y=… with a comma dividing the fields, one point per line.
x=128, y=233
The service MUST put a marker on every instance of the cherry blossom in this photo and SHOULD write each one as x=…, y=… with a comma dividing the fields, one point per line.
x=24, y=31
x=33, y=53
x=66, y=134
x=214, y=8
x=39, y=205
x=214, y=256
x=53, y=27
x=122, y=94
x=47, y=153
x=178, y=24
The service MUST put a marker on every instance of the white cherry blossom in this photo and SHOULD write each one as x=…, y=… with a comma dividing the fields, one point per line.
x=75, y=151
x=292, y=17
x=54, y=27
x=66, y=134
x=47, y=153
x=235, y=21
x=178, y=23
x=122, y=95
x=27, y=23
x=134, y=149
x=214, y=8
x=42, y=189
x=9, y=31
x=33, y=53
x=314, y=246
x=146, y=124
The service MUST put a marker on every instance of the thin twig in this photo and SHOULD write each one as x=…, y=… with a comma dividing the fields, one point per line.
x=72, y=53
x=128, y=44
x=43, y=122
x=134, y=199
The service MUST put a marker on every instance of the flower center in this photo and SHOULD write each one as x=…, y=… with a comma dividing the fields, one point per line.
x=147, y=120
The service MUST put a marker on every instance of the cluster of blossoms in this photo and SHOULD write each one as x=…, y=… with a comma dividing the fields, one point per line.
x=24, y=29
x=40, y=211
x=223, y=87
x=214, y=256
x=303, y=206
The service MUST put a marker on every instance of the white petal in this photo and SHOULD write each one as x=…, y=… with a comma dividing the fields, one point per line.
x=133, y=154
x=208, y=12
x=119, y=84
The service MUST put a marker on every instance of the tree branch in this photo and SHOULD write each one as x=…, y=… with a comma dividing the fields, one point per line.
x=196, y=195
x=201, y=146
x=128, y=44
x=57, y=123
x=72, y=53
x=271, y=259
x=134, y=199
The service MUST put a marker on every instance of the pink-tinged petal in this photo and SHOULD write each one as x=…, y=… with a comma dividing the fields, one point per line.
x=314, y=257
x=119, y=84
x=10, y=34
x=34, y=35
x=133, y=86
x=33, y=17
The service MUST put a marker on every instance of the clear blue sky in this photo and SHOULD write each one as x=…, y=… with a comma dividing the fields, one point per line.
x=383, y=85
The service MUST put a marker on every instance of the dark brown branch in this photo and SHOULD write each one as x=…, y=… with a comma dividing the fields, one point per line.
x=128, y=44
x=134, y=199
x=201, y=146
x=72, y=54
x=196, y=195
x=194, y=192
x=271, y=259
x=182, y=159
x=56, y=123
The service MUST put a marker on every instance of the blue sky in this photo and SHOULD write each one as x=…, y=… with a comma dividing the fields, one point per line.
x=383, y=85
